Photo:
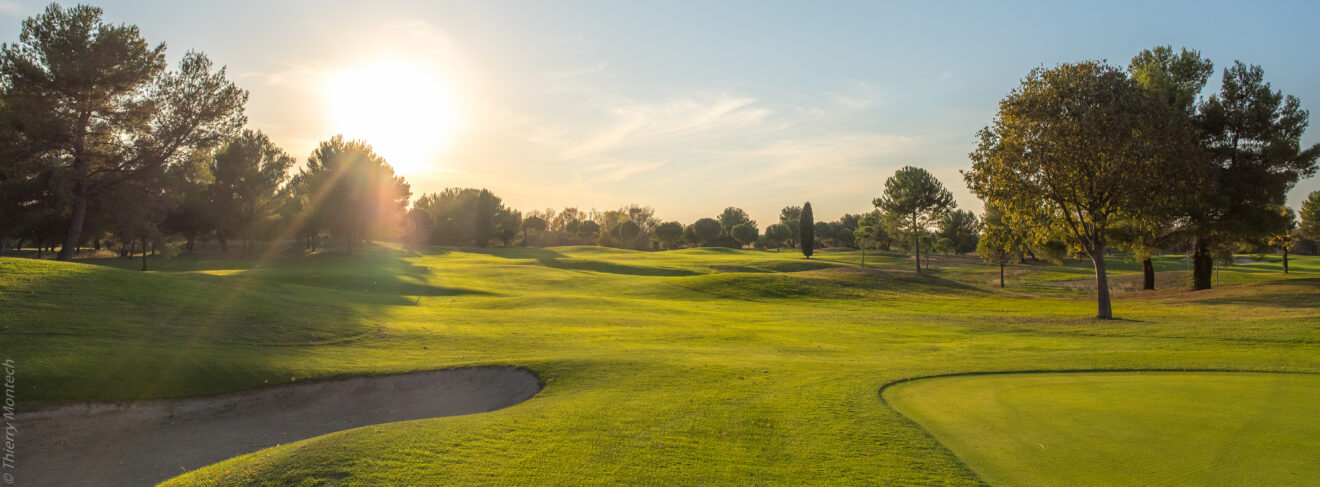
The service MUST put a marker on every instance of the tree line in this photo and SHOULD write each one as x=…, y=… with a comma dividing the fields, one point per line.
x=100, y=142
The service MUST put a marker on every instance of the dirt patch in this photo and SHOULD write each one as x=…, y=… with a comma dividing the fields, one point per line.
x=146, y=442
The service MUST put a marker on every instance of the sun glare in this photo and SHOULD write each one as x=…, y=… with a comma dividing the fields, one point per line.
x=406, y=112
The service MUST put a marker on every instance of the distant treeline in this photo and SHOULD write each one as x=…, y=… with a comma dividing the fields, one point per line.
x=101, y=145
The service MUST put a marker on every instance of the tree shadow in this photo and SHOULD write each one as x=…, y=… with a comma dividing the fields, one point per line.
x=612, y=268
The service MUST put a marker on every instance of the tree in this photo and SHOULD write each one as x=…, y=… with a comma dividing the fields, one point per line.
x=1285, y=236
x=1177, y=79
x=871, y=232
x=849, y=221
x=778, y=234
x=745, y=233
x=505, y=224
x=690, y=236
x=824, y=231
x=944, y=245
x=533, y=226
x=732, y=217
x=484, y=217
x=192, y=214
x=355, y=192
x=669, y=233
x=962, y=228
x=920, y=199
x=1140, y=239
x=791, y=217
x=1073, y=147
x=248, y=173
x=706, y=230
x=845, y=237
x=1252, y=135
x=626, y=231
x=96, y=97
x=589, y=231
x=997, y=246
x=1310, y=225
x=807, y=230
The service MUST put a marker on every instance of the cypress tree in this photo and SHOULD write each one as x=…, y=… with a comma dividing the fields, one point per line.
x=807, y=229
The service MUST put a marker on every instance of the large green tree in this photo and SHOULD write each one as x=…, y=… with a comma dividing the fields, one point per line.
x=1073, y=147
x=669, y=233
x=248, y=173
x=744, y=233
x=778, y=234
x=791, y=217
x=915, y=195
x=1252, y=137
x=1177, y=78
x=96, y=98
x=962, y=228
x=707, y=231
x=354, y=192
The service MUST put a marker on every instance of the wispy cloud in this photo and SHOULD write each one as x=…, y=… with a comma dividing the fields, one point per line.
x=611, y=125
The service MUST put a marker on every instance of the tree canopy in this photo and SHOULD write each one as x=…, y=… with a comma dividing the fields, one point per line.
x=94, y=102
x=914, y=194
x=1073, y=147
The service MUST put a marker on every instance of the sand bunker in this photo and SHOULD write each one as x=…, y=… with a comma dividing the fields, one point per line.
x=146, y=442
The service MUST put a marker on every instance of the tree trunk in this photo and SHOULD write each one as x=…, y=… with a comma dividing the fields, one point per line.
x=1148, y=275
x=1001, y=274
x=75, y=227
x=40, y=248
x=1202, y=266
x=224, y=243
x=916, y=247
x=1285, y=259
x=1103, y=309
x=144, y=253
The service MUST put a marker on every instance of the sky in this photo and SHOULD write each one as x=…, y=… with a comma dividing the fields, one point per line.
x=687, y=107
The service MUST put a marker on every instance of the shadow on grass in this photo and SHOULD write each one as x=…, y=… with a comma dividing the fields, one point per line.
x=96, y=332
x=612, y=268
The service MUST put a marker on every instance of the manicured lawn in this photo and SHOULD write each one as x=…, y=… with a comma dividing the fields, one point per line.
x=690, y=367
x=1128, y=428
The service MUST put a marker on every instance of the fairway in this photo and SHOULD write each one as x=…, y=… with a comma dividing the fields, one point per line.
x=697, y=366
x=1128, y=428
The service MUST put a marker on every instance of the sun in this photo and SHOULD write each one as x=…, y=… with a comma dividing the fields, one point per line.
x=405, y=111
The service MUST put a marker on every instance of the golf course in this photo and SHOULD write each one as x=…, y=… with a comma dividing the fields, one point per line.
x=708, y=366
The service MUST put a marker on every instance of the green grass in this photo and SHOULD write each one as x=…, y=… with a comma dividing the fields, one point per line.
x=689, y=367
x=1129, y=428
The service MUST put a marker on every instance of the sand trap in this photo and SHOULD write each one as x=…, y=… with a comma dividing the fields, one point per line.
x=146, y=442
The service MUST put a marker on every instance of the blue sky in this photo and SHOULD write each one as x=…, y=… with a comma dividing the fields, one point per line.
x=693, y=106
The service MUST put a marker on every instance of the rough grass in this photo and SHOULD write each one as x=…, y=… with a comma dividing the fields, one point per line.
x=700, y=366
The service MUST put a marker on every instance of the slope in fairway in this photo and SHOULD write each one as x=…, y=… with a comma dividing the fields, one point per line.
x=1125, y=428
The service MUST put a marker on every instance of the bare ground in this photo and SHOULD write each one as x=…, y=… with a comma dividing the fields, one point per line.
x=146, y=442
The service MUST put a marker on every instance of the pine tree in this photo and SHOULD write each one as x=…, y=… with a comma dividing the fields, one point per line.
x=807, y=227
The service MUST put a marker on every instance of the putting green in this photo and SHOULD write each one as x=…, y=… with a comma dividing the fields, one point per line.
x=1124, y=428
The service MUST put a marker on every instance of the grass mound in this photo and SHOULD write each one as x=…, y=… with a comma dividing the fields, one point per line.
x=1125, y=428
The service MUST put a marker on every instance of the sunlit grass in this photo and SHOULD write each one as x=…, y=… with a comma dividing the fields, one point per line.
x=699, y=366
